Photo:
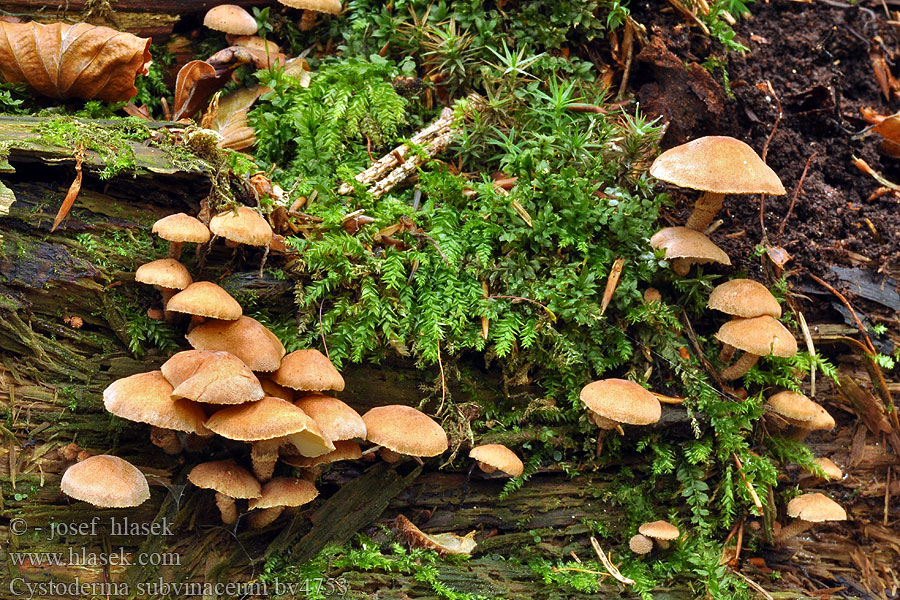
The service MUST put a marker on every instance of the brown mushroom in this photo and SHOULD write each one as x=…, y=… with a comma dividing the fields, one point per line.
x=308, y=371
x=231, y=19
x=758, y=336
x=801, y=412
x=497, y=457
x=211, y=377
x=229, y=480
x=612, y=402
x=716, y=165
x=640, y=544
x=246, y=338
x=662, y=532
x=686, y=247
x=205, y=299
x=243, y=225
x=744, y=298
x=403, y=430
x=178, y=229
x=105, y=481
x=810, y=509
x=278, y=494
x=166, y=275
x=147, y=398
x=336, y=419
x=266, y=425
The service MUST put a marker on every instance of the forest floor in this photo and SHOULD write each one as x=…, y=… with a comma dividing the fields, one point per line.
x=797, y=96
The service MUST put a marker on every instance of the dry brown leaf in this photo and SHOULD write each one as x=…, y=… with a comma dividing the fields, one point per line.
x=231, y=118
x=72, y=194
x=198, y=80
x=73, y=61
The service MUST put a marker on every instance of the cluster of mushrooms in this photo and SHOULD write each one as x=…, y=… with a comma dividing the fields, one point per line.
x=715, y=165
x=239, y=397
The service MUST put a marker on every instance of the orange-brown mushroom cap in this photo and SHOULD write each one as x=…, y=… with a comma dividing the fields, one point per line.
x=686, y=243
x=621, y=401
x=336, y=419
x=816, y=508
x=147, y=398
x=744, y=298
x=230, y=18
x=718, y=164
x=762, y=336
x=285, y=491
x=212, y=377
x=181, y=227
x=246, y=338
x=205, y=299
x=165, y=273
x=242, y=225
x=309, y=371
x=499, y=457
x=659, y=530
x=326, y=6
x=105, y=481
x=226, y=477
x=405, y=430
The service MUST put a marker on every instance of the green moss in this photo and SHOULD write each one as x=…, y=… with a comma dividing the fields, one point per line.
x=110, y=141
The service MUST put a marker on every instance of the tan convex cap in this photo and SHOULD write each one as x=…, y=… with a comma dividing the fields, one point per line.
x=308, y=371
x=147, y=398
x=205, y=299
x=499, y=457
x=744, y=298
x=816, y=508
x=105, y=481
x=226, y=477
x=759, y=335
x=181, y=227
x=405, y=430
x=621, y=401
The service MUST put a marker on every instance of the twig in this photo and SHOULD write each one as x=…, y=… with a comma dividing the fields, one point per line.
x=810, y=347
x=754, y=585
x=549, y=312
x=322, y=329
x=443, y=380
x=617, y=575
x=628, y=48
x=796, y=194
x=846, y=303
x=767, y=87
x=756, y=501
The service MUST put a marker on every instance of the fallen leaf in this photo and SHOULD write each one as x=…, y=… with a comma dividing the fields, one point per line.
x=72, y=194
x=73, y=61
x=231, y=118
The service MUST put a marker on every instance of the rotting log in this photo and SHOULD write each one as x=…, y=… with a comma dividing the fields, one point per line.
x=53, y=369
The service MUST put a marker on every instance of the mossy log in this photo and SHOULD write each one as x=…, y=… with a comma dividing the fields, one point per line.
x=68, y=304
x=154, y=19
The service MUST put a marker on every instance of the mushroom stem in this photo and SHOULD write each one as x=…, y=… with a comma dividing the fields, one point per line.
x=167, y=294
x=264, y=455
x=681, y=266
x=663, y=544
x=175, y=249
x=165, y=439
x=705, y=210
x=792, y=530
x=227, y=508
x=726, y=353
x=264, y=517
x=740, y=367
x=799, y=434
x=389, y=456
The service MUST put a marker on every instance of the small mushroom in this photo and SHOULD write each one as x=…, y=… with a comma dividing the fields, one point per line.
x=497, y=457
x=230, y=481
x=640, y=544
x=612, y=402
x=744, y=298
x=147, y=398
x=831, y=471
x=178, y=229
x=278, y=494
x=686, y=247
x=716, y=165
x=243, y=225
x=759, y=336
x=403, y=430
x=662, y=532
x=310, y=8
x=230, y=19
x=205, y=299
x=266, y=425
x=211, y=377
x=308, y=371
x=801, y=412
x=336, y=419
x=809, y=509
x=105, y=481
x=166, y=275
x=246, y=338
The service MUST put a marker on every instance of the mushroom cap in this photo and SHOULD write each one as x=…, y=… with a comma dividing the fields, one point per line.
x=832, y=471
x=326, y=6
x=343, y=450
x=105, y=481
x=206, y=299
x=336, y=419
x=640, y=544
x=165, y=272
x=285, y=491
x=242, y=225
x=744, y=298
x=246, y=338
x=405, y=430
x=816, y=508
x=718, y=164
x=230, y=18
x=683, y=242
x=216, y=377
x=181, y=227
x=621, y=401
x=273, y=389
x=758, y=335
x=659, y=530
x=499, y=457
x=147, y=398
x=257, y=43
x=823, y=421
x=308, y=371
x=226, y=477
x=794, y=407
x=268, y=419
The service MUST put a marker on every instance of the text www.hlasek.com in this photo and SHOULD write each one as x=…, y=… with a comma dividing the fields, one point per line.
x=84, y=558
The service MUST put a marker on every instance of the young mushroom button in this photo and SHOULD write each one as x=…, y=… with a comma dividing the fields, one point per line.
x=716, y=165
